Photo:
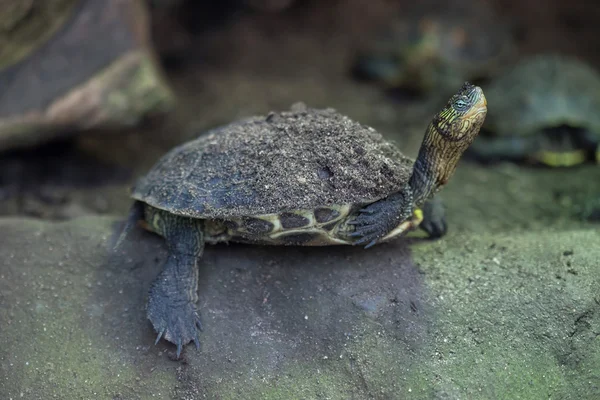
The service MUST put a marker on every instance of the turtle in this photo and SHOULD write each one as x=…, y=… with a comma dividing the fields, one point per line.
x=433, y=48
x=306, y=177
x=545, y=110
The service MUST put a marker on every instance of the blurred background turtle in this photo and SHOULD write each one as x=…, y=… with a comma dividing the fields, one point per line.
x=434, y=47
x=545, y=109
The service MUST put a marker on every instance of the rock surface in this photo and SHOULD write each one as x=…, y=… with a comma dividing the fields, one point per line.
x=462, y=317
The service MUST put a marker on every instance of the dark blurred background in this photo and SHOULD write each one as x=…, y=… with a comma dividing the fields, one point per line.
x=92, y=93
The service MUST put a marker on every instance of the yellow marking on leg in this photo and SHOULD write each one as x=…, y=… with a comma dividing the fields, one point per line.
x=561, y=159
x=418, y=216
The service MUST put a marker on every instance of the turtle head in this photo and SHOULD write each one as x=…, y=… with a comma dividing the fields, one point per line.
x=458, y=123
x=448, y=135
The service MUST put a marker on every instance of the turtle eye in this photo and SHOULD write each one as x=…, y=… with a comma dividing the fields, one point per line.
x=460, y=104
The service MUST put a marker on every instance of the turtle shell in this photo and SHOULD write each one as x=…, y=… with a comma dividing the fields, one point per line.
x=544, y=91
x=294, y=160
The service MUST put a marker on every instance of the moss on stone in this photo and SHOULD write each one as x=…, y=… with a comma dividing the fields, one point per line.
x=139, y=91
x=508, y=315
x=64, y=352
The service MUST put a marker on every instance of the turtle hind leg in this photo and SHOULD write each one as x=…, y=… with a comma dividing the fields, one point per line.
x=173, y=295
x=434, y=218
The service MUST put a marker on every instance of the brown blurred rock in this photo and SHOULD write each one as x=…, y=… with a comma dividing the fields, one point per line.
x=262, y=5
x=26, y=24
x=90, y=65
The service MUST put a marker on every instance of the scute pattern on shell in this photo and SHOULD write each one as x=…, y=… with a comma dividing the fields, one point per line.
x=544, y=91
x=298, y=159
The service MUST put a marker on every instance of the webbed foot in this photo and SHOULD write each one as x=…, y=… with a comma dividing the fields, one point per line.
x=174, y=294
x=434, y=218
x=173, y=315
x=377, y=220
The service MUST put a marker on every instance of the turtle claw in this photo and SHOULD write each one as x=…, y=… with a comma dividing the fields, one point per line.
x=173, y=317
x=160, y=334
x=179, y=347
x=197, y=341
x=367, y=231
x=362, y=239
x=373, y=243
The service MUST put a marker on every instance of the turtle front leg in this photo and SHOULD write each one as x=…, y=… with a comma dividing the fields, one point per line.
x=174, y=294
x=378, y=220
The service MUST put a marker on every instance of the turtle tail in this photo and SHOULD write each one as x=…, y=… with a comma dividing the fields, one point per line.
x=136, y=212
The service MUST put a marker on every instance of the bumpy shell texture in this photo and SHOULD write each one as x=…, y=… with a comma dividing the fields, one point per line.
x=544, y=91
x=299, y=159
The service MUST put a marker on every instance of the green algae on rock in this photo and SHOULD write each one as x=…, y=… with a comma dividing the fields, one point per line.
x=479, y=315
